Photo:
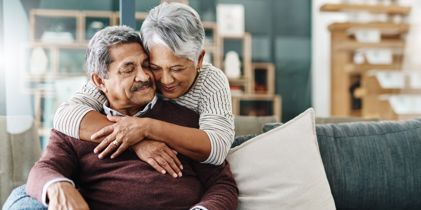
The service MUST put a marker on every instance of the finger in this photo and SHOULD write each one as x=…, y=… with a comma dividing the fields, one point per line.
x=110, y=148
x=174, y=157
x=155, y=165
x=166, y=165
x=123, y=147
x=114, y=118
x=105, y=142
x=103, y=132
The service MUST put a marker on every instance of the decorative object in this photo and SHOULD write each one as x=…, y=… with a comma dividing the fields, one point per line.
x=230, y=19
x=38, y=63
x=232, y=65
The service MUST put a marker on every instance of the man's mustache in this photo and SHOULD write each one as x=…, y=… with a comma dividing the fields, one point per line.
x=140, y=85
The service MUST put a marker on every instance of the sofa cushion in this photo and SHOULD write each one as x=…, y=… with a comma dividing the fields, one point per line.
x=245, y=125
x=282, y=169
x=373, y=165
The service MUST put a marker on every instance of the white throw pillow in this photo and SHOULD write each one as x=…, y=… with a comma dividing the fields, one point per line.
x=282, y=169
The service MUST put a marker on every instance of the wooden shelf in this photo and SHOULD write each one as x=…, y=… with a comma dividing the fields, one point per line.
x=354, y=45
x=382, y=26
x=378, y=8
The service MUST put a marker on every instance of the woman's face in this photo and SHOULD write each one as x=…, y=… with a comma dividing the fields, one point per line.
x=174, y=75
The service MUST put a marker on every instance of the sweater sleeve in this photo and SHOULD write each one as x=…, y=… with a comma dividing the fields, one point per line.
x=58, y=162
x=221, y=192
x=216, y=117
x=69, y=114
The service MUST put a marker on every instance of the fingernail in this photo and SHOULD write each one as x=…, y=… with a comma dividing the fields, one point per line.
x=180, y=174
x=174, y=175
x=95, y=151
x=163, y=171
x=181, y=167
x=100, y=156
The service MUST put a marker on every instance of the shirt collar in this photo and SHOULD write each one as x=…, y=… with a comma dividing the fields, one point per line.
x=111, y=112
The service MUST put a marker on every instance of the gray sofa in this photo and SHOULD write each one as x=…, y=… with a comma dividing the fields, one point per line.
x=370, y=165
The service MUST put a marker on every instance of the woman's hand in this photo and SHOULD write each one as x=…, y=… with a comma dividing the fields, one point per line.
x=159, y=156
x=118, y=137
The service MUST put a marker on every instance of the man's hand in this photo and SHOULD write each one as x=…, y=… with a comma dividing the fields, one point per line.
x=159, y=156
x=64, y=196
x=125, y=132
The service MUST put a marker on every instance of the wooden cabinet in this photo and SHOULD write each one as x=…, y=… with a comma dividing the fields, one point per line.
x=348, y=67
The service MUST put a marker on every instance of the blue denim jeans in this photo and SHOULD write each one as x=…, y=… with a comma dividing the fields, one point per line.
x=18, y=199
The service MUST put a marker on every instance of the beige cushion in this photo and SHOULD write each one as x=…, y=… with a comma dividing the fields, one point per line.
x=18, y=153
x=246, y=125
x=282, y=169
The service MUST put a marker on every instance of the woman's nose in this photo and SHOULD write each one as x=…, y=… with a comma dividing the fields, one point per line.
x=166, y=78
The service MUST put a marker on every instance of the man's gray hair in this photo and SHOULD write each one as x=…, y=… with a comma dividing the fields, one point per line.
x=98, y=55
x=176, y=25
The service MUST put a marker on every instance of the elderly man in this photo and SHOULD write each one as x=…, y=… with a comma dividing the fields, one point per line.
x=70, y=176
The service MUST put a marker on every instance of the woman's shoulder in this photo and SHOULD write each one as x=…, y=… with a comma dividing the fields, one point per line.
x=212, y=74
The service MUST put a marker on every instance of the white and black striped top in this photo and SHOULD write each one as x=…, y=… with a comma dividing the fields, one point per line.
x=210, y=96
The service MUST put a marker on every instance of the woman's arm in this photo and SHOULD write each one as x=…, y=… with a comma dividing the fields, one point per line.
x=71, y=115
x=209, y=144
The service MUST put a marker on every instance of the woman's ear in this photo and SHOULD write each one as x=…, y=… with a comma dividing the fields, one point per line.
x=99, y=82
x=200, y=59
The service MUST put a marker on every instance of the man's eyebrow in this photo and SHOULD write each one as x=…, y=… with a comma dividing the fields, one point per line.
x=125, y=64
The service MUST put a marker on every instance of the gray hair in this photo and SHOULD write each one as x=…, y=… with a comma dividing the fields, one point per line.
x=98, y=55
x=176, y=25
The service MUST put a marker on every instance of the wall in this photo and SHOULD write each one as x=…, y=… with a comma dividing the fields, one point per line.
x=2, y=75
x=18, y=103
x=320, y=69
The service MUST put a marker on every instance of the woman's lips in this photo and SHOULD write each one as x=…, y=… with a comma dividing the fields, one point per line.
x=168, y=88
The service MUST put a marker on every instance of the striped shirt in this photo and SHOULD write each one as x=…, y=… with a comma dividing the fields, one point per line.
x=210, y=96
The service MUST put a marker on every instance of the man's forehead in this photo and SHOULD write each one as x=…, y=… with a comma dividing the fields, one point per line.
x=127, y=50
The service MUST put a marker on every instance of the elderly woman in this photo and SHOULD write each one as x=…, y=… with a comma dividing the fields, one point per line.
x=173, y=36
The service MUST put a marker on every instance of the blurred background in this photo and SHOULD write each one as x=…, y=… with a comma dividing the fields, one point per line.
x=349, y=59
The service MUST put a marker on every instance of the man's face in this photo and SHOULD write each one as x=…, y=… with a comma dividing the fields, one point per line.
x=130, y=84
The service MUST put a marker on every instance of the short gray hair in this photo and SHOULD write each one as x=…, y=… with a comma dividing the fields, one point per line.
x=176, y=25
x=98, y=55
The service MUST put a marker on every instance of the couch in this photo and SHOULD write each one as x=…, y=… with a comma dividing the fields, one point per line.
x=369, y=165
x=19, y=149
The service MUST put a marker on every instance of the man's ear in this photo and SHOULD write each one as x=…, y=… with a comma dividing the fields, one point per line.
x=200, y=59
x=99, y=82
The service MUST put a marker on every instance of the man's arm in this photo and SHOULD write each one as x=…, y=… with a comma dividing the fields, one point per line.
x=58, y=163
x=221, y=192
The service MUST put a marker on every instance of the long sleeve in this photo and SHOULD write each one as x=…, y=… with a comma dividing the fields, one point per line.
x=221, y=190
x=58, y=162
x=211, y=98
x=69, y=115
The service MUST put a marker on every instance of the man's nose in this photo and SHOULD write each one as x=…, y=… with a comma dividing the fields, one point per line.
x=142, y=75
x=166, y=78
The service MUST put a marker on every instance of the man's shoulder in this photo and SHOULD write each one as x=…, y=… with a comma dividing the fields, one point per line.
x=169, y=111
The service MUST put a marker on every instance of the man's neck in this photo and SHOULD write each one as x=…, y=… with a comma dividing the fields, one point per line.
x=116, y=110
x=128, y=111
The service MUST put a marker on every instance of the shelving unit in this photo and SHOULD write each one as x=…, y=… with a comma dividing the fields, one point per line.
x=346, y=75
x=377, y=8
x=64, y=34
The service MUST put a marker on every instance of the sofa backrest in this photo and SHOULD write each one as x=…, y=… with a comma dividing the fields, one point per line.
x=18, y=153
x=370, y=165
x=373, y=165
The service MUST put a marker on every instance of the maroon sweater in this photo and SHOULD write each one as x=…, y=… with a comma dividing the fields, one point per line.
x=129, y=183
